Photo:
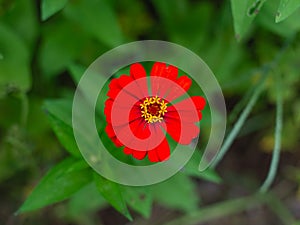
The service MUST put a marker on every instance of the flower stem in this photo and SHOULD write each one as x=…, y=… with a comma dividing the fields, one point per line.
x=277, y=146
x=239, y=124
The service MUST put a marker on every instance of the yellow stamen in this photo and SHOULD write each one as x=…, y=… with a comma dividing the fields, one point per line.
x=153, y=109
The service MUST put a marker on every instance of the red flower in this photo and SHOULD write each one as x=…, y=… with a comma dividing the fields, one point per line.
x=138, y=117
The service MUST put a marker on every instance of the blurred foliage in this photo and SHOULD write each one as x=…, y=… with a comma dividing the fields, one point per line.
x=45, y=47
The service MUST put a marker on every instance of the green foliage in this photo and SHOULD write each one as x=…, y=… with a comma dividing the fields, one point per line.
x=112, y=193
x=13, y=51
x=243, y=14
x=44, y=54
x=286, y=8
x=61, y=182
x=50, y=7
x=139, y=199
x=60, y=114
x=166, y=194
x=97, y=18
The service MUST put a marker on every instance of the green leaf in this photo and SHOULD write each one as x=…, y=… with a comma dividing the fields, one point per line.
x=22, y=18
x=139, y=199
x=14, y=61
x=178, y=193
x=286, y=8
x=78, y=203
x=191, y=169
x=112, y=193
x=286, y=28
x=60, y=114
x=243, y=13
x=60, y=183
x=62, y=43
x=50, y=7
x=98, y=18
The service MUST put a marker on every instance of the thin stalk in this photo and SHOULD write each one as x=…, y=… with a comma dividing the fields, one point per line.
x=219, y=210
x=277, y=145
x=240, y=122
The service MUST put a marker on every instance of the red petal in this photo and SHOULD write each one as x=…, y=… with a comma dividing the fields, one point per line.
x=137, y=71
x=157, y=69
x=182, y=133
x=185, y=82
x=107, y=109
x=160, y=153
x=175, y=92
x=118, y=84
x=111, y=134
x=135, y=112
x=199, y=102
x=158, y=86
x=163, y=150
x=162, y=70
x=139, y=154
x=127, y=151
x=109, y=130
x=152, y=156
x=140, y=128
x=184, y=115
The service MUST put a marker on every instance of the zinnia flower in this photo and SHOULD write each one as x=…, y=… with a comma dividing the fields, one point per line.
x=145, y=105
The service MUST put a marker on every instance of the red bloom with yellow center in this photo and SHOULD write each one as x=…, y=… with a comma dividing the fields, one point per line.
x=138, y=116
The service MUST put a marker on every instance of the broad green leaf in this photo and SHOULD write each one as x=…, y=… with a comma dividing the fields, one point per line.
x=286, y=28
x=50, y=7
x=178, y=193
x=98, y=18
x=243, y=13
x=191, y=169
x=14, y=61
x=112, y=193
x=286, y=8
x=139, y=199
x=78, y=203
x=62, y=181
x=60, y=114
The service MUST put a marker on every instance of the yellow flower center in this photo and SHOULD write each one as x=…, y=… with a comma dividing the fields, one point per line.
x=153, y=109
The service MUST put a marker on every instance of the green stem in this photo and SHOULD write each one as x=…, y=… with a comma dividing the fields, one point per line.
x=218, y=210
x=279, y=209
x=277, y=146
x=238, y=125
x=245, y=113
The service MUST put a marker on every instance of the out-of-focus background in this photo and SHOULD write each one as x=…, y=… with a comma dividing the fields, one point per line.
x=252, y=47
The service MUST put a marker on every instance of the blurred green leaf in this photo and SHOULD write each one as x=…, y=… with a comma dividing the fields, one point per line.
x=98, y=18
x=60, y=114
x=50, y=7
x=286, y=8
x=112, y=193
x=243, y=13
x=76, y=72
x=179, y=22
x=62, y=43
x=14, y=61
x=178, y=193
x=60, y=183
x=23, y=19
x=139, y=199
